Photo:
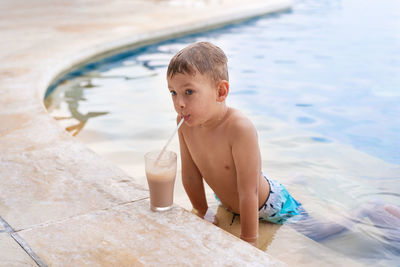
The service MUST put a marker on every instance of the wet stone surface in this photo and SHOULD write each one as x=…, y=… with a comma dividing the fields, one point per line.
x=133, y=234
x=11, y=254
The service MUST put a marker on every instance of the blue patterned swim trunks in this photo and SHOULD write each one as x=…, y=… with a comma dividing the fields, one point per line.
x=280, y=205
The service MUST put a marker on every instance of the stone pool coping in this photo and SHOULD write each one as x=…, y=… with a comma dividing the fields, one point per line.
x=62, y=204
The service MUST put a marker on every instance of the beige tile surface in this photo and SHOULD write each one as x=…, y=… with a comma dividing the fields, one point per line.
x=131, y=234
x=66, y=179
x=11, y=254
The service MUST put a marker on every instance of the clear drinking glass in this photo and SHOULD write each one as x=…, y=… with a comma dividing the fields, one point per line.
x=161, y=175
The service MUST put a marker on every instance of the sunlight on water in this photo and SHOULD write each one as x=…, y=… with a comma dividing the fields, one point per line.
x=321, y=85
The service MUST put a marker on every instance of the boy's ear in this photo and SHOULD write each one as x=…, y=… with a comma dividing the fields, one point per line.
x=222, y=90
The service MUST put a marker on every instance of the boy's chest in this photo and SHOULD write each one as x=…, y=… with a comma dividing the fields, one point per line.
x=211, y=153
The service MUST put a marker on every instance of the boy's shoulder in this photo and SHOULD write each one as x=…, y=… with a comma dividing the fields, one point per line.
x=239, y=125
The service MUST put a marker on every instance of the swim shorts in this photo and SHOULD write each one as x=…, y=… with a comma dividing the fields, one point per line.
x=280, y=205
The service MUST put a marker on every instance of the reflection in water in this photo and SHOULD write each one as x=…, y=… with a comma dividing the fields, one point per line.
x=72, y=93
x=72, y=97
x=75, y=129
x=375, y=215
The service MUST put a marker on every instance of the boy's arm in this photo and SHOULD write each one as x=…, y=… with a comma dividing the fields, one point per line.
x=246, y=155
x=192, y=180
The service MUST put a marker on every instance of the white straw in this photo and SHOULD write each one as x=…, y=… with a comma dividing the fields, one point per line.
x=170, y=139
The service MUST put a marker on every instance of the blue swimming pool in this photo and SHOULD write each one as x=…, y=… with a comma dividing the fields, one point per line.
x=329, y=71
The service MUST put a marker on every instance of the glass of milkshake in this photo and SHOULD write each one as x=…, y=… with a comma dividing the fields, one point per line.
x=161, y=173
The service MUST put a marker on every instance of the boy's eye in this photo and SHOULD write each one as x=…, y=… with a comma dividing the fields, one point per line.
x=173, y=93
x=189, y=91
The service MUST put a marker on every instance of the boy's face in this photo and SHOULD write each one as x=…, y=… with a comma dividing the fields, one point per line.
x=194, y=97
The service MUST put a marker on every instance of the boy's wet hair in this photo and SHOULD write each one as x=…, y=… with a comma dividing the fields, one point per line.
x=204, y=57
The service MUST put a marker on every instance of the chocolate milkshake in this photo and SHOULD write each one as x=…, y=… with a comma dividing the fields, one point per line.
x=161, y=175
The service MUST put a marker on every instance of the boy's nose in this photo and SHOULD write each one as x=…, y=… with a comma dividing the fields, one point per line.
x=180, y=103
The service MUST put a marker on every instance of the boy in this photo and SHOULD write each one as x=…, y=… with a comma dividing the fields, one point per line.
x=220, y=145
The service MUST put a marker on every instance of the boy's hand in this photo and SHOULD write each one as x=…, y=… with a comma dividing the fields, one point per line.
x=208, y=216
x=250, y=240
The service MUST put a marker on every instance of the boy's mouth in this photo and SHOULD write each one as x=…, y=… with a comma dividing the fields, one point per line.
x=186, y=117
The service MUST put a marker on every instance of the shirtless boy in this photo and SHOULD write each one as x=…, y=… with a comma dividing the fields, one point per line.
x=220, y=145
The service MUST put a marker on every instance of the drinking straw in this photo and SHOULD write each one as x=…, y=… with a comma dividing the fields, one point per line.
x=170, y=139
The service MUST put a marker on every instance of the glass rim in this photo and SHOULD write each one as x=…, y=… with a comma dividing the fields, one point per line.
x=152, y=155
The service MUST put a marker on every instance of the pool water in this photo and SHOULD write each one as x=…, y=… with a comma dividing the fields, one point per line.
x=321, y=84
